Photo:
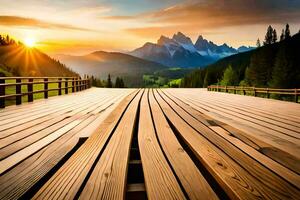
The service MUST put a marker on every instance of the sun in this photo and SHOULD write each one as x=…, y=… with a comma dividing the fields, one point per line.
x=29, y=42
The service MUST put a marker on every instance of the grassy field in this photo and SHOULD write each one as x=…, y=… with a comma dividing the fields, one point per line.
x=12, y=90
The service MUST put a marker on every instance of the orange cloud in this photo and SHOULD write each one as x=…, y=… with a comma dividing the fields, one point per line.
x=193, y=16
x=119, y=17
x=30, y=22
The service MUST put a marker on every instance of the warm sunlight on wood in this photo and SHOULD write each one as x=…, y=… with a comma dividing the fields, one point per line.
x=30, y=42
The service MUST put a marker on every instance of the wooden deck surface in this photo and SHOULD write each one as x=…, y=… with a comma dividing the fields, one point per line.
x=152, y=143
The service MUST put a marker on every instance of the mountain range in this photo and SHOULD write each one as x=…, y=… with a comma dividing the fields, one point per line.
x=180, y=51
x=100, y=64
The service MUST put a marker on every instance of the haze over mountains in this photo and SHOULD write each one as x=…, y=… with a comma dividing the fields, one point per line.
x=180, y=51
x=100, y=64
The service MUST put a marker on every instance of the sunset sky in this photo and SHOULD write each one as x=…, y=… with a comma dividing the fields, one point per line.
x=82, y=26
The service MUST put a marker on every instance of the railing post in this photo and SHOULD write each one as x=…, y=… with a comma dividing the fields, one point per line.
x=18, y=91
x=254, y=91
x=73, y=84
x=80, y=84
x=46, y=88
x=59, y=86
x=87, y=82
x=234, y=90
x=2, y=93
x=268, y=93
x=226, y=89
x=90, y=82
x=30, y=90
x=77, y=84
x=244, y=91
x=296, y=95
x=84, y=82
x=66, y=86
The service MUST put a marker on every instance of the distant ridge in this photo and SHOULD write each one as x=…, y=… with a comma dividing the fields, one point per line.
x=18, y=60
x=101, y=63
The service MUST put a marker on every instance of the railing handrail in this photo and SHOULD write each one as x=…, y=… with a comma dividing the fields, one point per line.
x=76, y=83
x=252, y=88
x=295, y=92
x=36, y=77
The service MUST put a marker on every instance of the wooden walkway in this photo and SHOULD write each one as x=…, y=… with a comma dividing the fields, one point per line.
x=155, y=144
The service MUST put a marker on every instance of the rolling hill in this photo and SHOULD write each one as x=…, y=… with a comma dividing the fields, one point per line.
x=17, y=60
x=100, y=64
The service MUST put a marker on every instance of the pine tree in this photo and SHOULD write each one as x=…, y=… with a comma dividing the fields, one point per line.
x=246, y=81
x=229, y=77
x=274, y=36
x=7, y=39
x=119, y=83
x=282, y=35
x=286, y=71
x=269, y=36
x=1, y=40
x=122, y=84
x=258, y=43
x=109, y=82
x=287, y=31
x=206, y=79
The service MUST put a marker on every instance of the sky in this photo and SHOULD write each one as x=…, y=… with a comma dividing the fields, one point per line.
x=79, y=27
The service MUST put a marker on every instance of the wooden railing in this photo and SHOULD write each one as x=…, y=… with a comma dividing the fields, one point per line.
x=255, y=91
x=11, y=87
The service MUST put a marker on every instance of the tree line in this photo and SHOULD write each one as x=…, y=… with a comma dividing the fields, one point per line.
x=7, y=40
x=119, y=83
x=275, y=64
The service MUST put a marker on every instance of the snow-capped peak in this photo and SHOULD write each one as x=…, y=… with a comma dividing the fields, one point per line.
x=181, y=38
x=163, y=40
x=184, y=41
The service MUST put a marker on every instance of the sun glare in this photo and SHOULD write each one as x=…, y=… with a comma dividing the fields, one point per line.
x=29, y=42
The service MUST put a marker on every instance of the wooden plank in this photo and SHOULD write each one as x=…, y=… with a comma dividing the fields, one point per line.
x=290, y=146
x=276, y=106
x=16, y=121
x=72, y=174
x=280, y=109
x=24, y=153
x=51, y=103
x=214, y=153
x=22, y=177
x=18, y=131
x=160, y=181
x=285, y=173
x=191, y=179
x=41, y=102
x=274, y=153
x=24, y=130
x=64, y=120
x=255, y=111
x=236, y=106
x=108, y=179
x=264, y=123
